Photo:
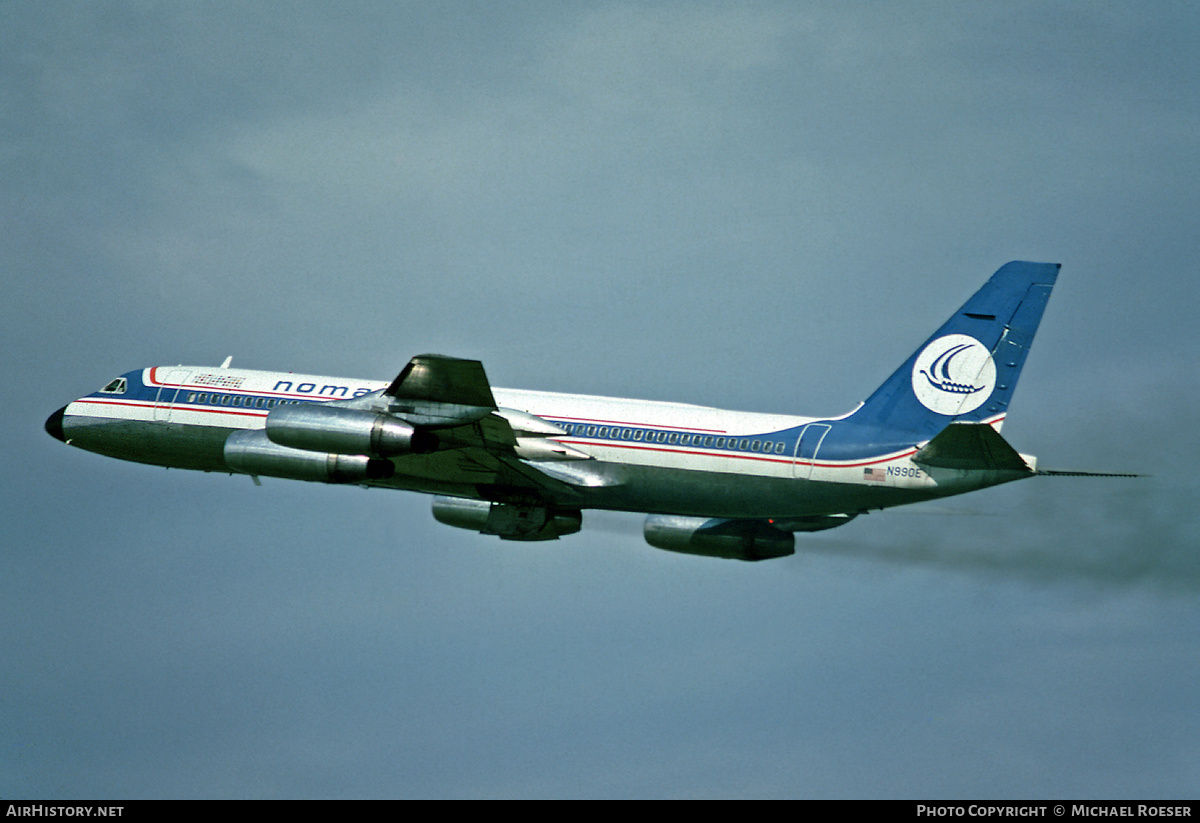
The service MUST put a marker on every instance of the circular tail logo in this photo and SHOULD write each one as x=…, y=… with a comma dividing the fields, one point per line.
x=953, y=375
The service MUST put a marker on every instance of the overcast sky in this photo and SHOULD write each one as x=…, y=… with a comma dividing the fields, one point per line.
x=762, y=206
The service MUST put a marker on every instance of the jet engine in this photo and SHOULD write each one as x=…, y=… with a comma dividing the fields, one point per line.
x=716, y=537
x=252, y=453
x=506, y=520
x=333, y=430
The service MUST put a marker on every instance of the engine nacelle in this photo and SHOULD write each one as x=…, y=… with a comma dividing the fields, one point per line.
x=251, y=452
x=506, y=520
x=333, y=430
x=715, y=537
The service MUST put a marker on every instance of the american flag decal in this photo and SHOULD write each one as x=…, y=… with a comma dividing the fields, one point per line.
x=878, y=475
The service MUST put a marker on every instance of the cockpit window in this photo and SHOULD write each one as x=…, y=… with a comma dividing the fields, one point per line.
x=115, y=387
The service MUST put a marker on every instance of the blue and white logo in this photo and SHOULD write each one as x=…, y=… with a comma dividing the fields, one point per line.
x=954, y=375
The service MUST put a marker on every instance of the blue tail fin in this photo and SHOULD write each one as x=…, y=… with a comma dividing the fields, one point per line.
x=967, y=370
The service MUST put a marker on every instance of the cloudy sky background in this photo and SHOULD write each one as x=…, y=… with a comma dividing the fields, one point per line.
x=764, y=206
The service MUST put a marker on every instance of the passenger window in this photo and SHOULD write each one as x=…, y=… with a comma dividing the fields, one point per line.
x=755, y=446
x=637, y=435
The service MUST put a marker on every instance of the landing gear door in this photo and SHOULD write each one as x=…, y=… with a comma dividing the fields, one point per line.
x=807, y=447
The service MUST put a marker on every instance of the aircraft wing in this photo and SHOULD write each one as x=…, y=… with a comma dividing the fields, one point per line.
x=503, y=453
x=436, y=391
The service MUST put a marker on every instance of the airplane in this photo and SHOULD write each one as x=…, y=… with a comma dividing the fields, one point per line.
x=524, y=465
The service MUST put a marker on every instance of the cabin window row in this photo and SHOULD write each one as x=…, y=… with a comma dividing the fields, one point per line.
x=245, y=401
x=707, y=441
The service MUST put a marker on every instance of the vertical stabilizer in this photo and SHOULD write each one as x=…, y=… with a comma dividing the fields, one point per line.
x=967, y=370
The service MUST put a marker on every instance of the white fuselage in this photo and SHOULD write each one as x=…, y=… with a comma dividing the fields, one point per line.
x=644, y=456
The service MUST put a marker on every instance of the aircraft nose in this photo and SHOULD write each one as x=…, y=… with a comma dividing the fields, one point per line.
x=54, y=425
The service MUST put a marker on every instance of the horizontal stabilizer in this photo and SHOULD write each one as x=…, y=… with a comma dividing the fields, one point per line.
x=971, y=446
